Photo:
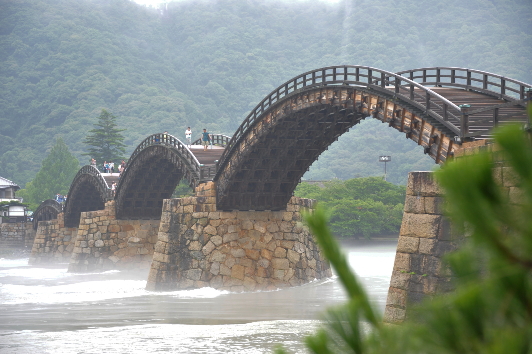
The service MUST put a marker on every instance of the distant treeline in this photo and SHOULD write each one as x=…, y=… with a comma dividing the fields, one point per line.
x=359, y=207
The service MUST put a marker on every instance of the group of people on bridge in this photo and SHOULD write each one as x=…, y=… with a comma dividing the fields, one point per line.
x=109, y=167
x=205, y=138
x=61, y=198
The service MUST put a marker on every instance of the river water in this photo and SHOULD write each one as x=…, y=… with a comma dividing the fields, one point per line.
x=47, y=310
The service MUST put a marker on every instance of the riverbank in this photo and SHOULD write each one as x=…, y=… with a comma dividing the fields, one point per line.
x=375, y=240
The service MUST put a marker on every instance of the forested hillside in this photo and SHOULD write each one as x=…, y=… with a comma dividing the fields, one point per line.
x=207, y=63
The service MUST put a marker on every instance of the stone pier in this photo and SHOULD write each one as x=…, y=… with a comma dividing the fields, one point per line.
x=192, y=246
x=426, y=235
x=424, y=238
x=105, y=243
x=200, y=246
x=16, y=235
x=53, y=242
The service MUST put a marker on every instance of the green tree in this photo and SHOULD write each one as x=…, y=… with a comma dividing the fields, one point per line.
x=491, y=309
x=55, y=176
x=105, y=141
x=182, y=190
x=353, y=217
x=360, y=206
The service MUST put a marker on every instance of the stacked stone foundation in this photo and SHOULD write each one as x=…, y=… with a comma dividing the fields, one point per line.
x=16, y=235
x=105, y=243
x=199, y=246
x=426, y=235
x=424, y=238
x=53, y=242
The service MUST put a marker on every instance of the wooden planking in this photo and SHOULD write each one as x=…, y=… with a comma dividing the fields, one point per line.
x=480, y=122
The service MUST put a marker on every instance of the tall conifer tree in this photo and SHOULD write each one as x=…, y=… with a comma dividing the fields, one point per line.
x=106, y=141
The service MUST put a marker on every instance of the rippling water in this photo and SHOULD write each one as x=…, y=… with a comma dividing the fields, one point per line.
x=47, y=310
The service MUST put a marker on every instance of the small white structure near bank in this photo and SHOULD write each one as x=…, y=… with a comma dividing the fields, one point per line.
x=15, y=213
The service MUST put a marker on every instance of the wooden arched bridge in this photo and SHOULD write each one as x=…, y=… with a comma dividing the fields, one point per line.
x=259, y=167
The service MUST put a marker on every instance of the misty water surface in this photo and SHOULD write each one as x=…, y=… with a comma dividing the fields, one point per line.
x=47, y=310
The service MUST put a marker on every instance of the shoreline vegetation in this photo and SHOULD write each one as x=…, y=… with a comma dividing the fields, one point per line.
x=359, y=207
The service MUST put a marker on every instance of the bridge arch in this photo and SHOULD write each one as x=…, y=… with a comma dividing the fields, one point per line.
x=154, y=170
x=88, y=192
x=293, y=125
x=47, y=210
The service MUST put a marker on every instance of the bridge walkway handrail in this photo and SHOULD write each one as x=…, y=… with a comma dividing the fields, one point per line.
x=103, y=187
x=216, y=139
x=199, y=172
x=513, y=92
x=491, y=84
x=48, y=203
x=395, y=85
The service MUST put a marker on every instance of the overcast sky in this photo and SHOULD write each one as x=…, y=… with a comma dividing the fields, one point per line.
x=156, y=2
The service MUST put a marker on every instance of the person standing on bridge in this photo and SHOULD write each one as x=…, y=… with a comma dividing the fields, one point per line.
x=205, y=138
x=188, y=135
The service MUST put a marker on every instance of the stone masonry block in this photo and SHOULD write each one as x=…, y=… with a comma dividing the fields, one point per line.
x=510, y=178
x=279, y=252
x=208, y=248
x=516, y=195
x=237, y=271
x=431, y=266
x=400, y=279
x=430, y=285
x=280, y=263
x=414, y=204
x=416, y=263
x=427, y=245
x=434, y=205
x=408, y=244
x=396, y=297
x=402, y=262
x=193, y=274
x=420, y=225
x=422, y=183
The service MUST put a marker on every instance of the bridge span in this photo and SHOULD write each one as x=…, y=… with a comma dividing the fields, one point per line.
x=241, y=230
x=259, y=167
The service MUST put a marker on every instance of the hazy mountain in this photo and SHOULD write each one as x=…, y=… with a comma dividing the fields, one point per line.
x=207, y=63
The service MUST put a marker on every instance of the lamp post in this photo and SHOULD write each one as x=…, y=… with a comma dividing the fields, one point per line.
x=385, y=159
x=529, y=98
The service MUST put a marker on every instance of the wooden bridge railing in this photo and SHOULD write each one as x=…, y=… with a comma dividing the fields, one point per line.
x=491, y=84
x=201, y=173
x=388, y=83
x=513, y=92
x=216, y=139
x=46, y=207
x=103, y=187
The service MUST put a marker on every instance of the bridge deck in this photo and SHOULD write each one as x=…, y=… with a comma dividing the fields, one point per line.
x=208, y=157
x=483, y=121
x=110, y=178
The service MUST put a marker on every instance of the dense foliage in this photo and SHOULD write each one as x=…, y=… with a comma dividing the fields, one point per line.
x=105, y=141
x=55, y=175
x=206, y=63
x=490, y=310
x=359, y=207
